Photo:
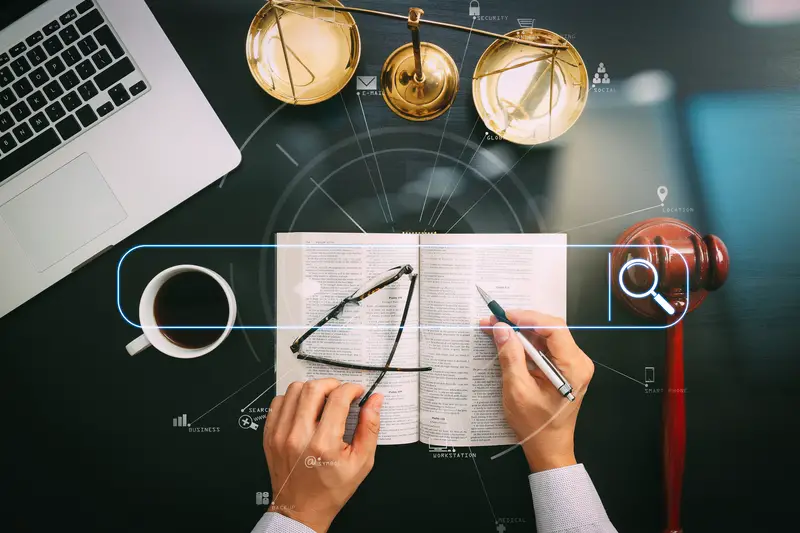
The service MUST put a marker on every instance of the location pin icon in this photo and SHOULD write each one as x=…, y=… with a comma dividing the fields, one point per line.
x=662, y=192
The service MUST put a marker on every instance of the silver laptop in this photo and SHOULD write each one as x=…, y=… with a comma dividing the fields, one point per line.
x=102, y=129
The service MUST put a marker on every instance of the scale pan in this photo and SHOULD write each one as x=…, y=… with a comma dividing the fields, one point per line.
x=322, y=46
x=525, y=94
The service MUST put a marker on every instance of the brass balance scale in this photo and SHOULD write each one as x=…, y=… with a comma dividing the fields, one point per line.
x=529, y=86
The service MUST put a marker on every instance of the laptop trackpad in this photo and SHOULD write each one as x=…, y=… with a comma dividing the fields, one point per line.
x=62, y=212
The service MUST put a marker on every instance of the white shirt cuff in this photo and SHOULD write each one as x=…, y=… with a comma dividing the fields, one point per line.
x=277, y=523
x=565, y=500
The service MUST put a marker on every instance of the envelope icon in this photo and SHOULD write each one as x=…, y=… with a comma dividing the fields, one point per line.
x=367, y=83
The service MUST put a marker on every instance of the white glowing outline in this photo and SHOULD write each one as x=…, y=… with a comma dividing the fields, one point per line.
x=440, y=327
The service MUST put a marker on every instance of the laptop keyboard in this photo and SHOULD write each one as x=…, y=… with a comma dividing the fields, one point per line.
x=61, y=80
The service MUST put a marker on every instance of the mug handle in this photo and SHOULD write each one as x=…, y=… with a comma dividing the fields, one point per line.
x=137, y=345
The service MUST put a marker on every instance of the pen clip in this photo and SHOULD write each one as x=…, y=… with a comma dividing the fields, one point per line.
x=553, y=367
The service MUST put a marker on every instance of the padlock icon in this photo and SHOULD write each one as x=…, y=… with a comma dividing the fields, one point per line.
x=474, y=8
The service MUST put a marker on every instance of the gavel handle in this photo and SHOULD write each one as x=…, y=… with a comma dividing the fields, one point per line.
x=674, y=428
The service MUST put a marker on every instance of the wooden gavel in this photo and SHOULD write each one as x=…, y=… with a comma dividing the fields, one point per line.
x=665, y=243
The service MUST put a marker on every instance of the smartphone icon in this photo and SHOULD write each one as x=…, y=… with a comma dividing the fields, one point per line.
x=649, y=374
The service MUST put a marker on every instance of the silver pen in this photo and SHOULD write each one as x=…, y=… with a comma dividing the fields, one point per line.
x=539, y=359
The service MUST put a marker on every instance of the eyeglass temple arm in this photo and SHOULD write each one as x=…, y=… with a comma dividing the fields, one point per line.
x=396, y=339
x=355, y=366
x=333, y=313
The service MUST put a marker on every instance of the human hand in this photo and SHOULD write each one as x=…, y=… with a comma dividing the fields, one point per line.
x=313, y=471
x=542, y=419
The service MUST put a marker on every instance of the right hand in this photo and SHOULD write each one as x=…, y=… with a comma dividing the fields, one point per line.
x=542, y=419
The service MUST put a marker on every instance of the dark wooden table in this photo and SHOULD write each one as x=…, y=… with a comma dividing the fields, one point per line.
x=87, y=436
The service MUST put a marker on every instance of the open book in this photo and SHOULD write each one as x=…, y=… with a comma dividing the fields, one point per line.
x=459, y=402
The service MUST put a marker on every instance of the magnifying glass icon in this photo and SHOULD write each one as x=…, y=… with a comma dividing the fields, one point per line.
x=660, y=300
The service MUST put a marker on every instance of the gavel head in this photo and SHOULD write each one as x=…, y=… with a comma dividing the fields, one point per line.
x=677, y=251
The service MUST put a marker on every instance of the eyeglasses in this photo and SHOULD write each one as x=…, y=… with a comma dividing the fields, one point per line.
x=364, y=291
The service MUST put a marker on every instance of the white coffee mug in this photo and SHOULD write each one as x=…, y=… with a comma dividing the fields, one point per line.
x=153, y=336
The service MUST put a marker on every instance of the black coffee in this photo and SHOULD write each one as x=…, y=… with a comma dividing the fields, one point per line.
x=192, y=299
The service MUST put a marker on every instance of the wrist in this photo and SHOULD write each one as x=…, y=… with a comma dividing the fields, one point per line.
x=539, y=462
x=311, y=520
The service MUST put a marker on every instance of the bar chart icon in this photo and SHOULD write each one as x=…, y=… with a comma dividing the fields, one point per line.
x=179, y=422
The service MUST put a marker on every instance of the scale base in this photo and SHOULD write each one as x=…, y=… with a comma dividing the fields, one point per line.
x=414, y=99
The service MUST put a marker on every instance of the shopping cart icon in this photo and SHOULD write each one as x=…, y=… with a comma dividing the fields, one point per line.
x=526, y=23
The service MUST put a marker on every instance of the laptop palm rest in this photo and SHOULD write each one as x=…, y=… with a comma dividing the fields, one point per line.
x=62, y=212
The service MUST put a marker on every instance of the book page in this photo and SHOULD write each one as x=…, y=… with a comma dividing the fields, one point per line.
x=312, y=280
x=461, y=399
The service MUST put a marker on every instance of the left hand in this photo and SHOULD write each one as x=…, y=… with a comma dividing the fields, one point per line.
x=313, y=471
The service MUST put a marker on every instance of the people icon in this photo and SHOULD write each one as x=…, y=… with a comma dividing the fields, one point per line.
x=597, y=79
